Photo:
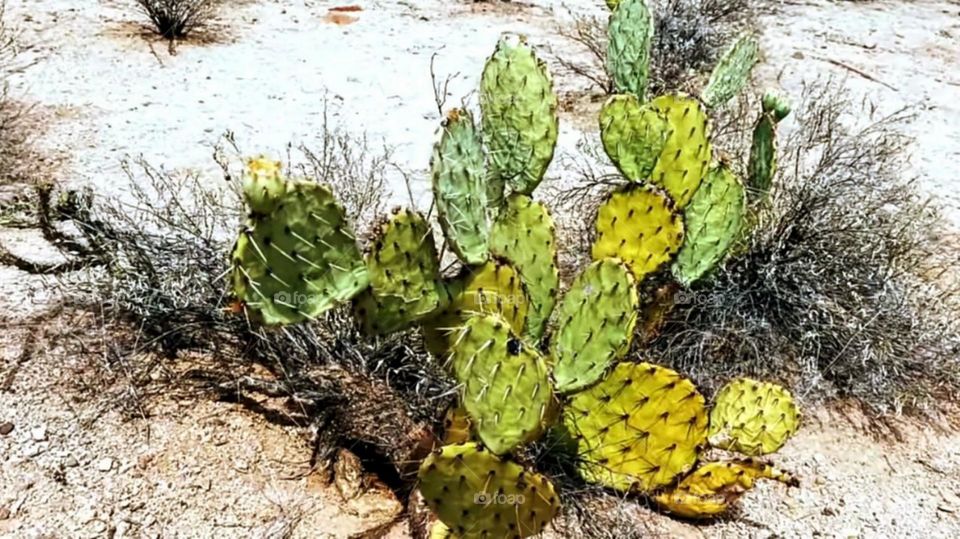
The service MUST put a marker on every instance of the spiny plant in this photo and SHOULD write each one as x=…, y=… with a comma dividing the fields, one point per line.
x=522, y=370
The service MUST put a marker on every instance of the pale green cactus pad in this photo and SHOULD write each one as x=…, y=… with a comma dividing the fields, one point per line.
x=404, y=274
x=686, y=156
x=713, y=221
x=596, y=321
x=478, y=495
x=504, y=383
x=461, y=189
x=524, y=235
x=629, y=34
x=732, y=72
x=297, y=256
x=520, y=122
x=633, y=135
x=754, y=418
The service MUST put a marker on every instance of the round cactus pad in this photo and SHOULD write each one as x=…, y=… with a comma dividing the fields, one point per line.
x=633, y=135
x=753, y=418
x=686, y=156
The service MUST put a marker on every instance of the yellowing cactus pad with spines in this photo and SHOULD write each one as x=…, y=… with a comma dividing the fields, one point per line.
x=479, y=495
x=456, y=426
x=633, y=135
x=520, y=122
x=404, y=273
x=638, y=429
x=439, y=530
x=713, y=222
x=524, y=234
x=639, y=226
x=492, y=288
x=753, y=418
x=596, y=321
x=297, y=255
x=712, y=488
x=686, y=155
x=461, y=189
x=505, y=386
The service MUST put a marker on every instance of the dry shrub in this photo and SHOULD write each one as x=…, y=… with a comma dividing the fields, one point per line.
x=843, y=290
x=14, y=138
x=176, y=19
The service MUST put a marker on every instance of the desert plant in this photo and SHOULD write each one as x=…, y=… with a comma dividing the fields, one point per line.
x=176, y=19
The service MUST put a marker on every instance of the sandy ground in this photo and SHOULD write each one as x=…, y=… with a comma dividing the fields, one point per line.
x=75, y=466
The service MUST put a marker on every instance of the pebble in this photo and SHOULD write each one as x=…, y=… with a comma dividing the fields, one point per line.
x=70, y=462
x=4, y=513
x=6, y=428
x=32, y=450
x=39, y=434
x=105, y=464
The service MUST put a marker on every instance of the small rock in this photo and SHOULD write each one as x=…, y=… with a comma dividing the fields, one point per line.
x=829, y=511
x=32, y=450
x=798, y=55
x=39, y=434
x=6, y=428
x=105, y=464
x=4, y=513
x=70, y=462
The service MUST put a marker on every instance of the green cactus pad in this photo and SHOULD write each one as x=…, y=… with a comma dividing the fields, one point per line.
x=686, y=156
x=479, y=495
x=629, y=34
x=762, y=166
x=639, y=226
x=460, y=187
x=732, y=71
x=519, y=108
x=712, y=488
x=775, y=104
x=524, y=235
x=612, y=4
x=505, y=387
x=495, y=287
x=633, y=135
x=300, y=258
x=404, y=275
x=638, y=429
x=596, y=321
x=753, y=418
x=713, y=221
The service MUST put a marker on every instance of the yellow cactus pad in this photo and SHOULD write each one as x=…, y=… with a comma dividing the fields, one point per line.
x=713, y=487
x=686, y=156
x=456, y=426
x=493, y=287
x=753, y=418
x=637, y=429
x=639, y=226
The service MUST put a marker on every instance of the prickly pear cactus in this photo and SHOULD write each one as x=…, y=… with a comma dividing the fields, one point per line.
x=638, y=429
x=524, y=234
x=713, y=221
x=762, y=166
x=775, y=104
x=639, y=226
x=519, y=108
x=461, y=189
x=477, y=494
x=712, y=488
x=596, y=321
x=495, y=287
x=404, y=274
x=439, y=530
x=296, y=256
x=753, y=418
x=633, y=135
x=629, y=34
x=732, y=71
x=506, y=389
x=456, y=425
x=686, y=156
x=612, y=4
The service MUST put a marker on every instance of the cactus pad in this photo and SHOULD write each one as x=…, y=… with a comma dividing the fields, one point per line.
x=713, y=487
x=460, y=187
x=629, y=34
x=753, y=418
x=713, y=221
x=732, y=71
x=639, y=226
x=524, y=235
x=297, y=255
x=633, y=135
x=477, y=494
x=439, y=530
x=775, y=104
x=404, y=274
x=505, y=385
x=519, y=108
x=596, y=321
x=456, y=426
x=638, y=429
x=686, y=156
x=494, y=287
